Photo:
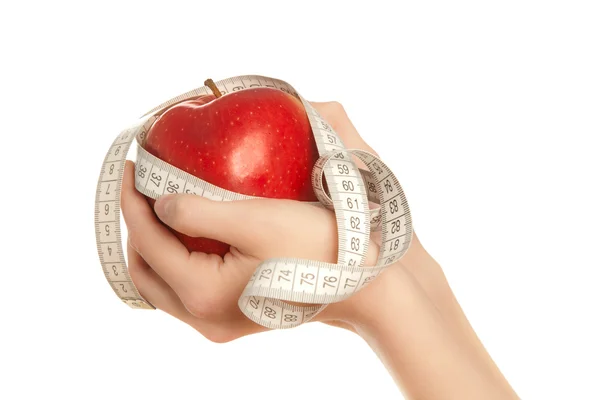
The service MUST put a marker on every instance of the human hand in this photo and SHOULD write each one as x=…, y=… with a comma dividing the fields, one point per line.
x=202, y=290
x=206, y=296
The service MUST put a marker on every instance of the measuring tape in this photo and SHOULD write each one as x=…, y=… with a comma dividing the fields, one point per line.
x=276, y=280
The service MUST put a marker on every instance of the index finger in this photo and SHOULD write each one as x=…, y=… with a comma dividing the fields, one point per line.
x=158, y=247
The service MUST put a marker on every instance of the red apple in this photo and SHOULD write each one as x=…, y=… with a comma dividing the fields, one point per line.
x=256, y=142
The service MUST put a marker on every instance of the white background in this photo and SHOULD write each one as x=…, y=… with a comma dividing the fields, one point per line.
x=487, y=111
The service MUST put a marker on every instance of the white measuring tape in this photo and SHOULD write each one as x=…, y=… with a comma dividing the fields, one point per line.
x=275, y=281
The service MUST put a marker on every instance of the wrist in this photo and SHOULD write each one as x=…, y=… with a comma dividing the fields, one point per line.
x=383, y=300
x=376, y=302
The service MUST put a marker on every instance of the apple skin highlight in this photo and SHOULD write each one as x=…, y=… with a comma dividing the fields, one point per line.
x=256, y=142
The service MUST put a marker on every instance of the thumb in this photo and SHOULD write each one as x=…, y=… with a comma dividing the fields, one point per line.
x=245, y=224
x=262, y=228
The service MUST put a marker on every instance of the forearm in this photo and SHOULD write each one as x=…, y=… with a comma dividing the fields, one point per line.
x=411, y=337
x=430, y=276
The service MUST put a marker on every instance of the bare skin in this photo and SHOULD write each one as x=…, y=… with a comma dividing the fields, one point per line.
x=418, y=329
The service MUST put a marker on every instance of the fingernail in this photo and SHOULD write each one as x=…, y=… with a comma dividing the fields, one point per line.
x=164, y=206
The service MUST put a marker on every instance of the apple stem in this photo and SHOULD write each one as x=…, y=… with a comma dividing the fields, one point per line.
x=209, y=82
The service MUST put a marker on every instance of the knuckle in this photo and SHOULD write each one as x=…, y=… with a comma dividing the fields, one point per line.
x=337, y=107
x=177, y=211
x=220, y=335
x=197, y=306
x=182, y=215
x=203, y=305
x=133, y=239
